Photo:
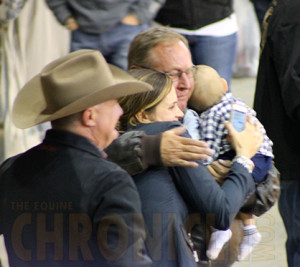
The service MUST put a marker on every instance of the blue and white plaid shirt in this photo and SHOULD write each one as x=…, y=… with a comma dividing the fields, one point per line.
x=209, y=127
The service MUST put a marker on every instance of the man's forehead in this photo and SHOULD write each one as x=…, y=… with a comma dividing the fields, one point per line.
x=172, y=57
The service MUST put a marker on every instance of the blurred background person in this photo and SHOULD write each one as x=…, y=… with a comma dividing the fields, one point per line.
x=108, y=26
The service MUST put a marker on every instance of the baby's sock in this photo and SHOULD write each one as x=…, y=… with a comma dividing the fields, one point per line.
x=251, y=238
x=217, y=240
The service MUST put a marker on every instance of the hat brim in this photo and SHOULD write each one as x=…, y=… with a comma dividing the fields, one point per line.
x=30, y=103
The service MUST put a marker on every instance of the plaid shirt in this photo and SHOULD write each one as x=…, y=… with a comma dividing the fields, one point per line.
x=209, y=127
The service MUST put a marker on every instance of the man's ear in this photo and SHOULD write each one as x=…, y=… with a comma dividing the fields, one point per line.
x=225, y=85
x=89, y=117
x=143, y=117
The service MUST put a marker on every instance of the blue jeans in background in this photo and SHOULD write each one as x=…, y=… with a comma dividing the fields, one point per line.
x=113, y=44
x=216, y=52
x=289, y=208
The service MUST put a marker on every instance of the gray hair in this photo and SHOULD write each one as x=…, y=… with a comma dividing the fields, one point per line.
x=67, y=122
x=142, y=45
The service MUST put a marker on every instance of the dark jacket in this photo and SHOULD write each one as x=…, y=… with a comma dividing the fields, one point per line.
x=63, y=204
x=193, y=14
x=277, y=96
x=171, y=195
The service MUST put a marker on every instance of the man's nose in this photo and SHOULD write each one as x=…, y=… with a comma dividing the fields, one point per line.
x=184, y=80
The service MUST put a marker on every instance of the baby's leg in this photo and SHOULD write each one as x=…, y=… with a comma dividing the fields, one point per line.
x=251, y=236
x=218, y=239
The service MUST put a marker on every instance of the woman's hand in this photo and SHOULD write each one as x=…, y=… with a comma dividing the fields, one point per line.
x=247, y=142
x=219, y=169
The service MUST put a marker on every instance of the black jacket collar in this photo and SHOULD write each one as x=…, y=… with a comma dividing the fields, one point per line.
x=65, y=138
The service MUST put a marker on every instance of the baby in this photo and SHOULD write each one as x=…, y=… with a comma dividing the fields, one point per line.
x=213, y=103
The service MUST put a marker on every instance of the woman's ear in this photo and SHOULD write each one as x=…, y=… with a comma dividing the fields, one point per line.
x=143, y=117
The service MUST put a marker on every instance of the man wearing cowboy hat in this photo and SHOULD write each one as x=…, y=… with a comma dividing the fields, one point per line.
x=61, y=202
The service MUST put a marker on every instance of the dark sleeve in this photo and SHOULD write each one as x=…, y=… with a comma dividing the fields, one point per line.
x=134, y=151
x=60, y=9
x=262, y=165
x=119, y=222
x=287, y=62
x=205, y=196
x=145, y=10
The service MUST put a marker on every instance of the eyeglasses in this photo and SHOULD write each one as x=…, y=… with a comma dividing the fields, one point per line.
x=176, y=75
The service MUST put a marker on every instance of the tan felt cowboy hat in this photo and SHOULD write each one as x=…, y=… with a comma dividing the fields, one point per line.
x=71, y=84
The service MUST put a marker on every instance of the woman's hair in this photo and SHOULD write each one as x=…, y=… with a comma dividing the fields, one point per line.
x=140, y=51
x=146, y=101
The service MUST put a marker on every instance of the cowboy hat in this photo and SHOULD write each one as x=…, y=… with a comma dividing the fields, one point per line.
x=69, y=85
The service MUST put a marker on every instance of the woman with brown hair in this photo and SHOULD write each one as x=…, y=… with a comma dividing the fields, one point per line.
x=170, y=195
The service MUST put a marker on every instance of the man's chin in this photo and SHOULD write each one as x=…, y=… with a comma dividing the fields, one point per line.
x=115, y=134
